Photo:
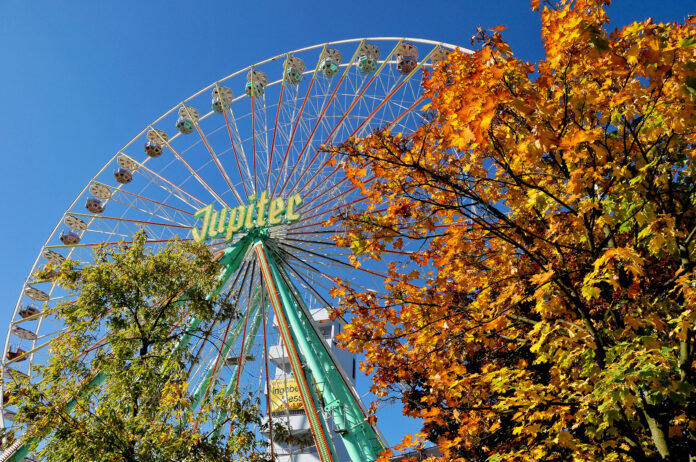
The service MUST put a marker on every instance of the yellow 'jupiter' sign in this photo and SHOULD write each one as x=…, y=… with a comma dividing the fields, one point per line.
x=259, y=212
x=285, y=395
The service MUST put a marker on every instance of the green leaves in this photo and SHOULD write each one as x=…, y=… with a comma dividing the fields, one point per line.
x=117, y=385
x=688, y=42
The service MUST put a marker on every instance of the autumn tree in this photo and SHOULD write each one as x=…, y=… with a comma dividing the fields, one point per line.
x=116, y=386
x=540, y=301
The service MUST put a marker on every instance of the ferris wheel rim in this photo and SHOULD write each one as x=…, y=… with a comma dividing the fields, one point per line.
x=152, y=126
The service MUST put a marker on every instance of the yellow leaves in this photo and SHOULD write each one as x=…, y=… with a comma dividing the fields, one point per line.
x=632, y=54
x=571, y=144
x=462, y=139
x=633, y=323
x=565, y=439
x=541, y=279
x=633, y=261
x=608, y=267
x=524, y=299
x=537, y=199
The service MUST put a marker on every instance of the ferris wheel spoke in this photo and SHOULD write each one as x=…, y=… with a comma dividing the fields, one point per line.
x=242, y=153
x=306, y=241
x=98, y=244
x=283, y=255
x=301, y=160
x=146, y=211
x=320, y=118
x=307, y=285
x=406, y=112
x=253, y=138
x=234, y=149
x=195, y=174
x=264, y=321
x=185, y=212
x=352, y=105
x=275, y=126
x=343, y=264
x=215, y=158
x=213, y=376
x=333, y=198
x=326, y=212
x=297, y=121
x=335, y=261
x=250, y=306
x=313, y=231
x=231, y=289
x=129, y=220
x=194, y=206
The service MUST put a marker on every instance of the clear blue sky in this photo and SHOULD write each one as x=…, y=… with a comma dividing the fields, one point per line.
x=78, y=79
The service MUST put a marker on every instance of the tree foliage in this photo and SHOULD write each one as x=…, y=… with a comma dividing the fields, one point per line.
x=124, y=326
x=540, y=297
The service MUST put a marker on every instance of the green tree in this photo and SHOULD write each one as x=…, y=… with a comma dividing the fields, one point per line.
x=541, y=226
x=116, y=387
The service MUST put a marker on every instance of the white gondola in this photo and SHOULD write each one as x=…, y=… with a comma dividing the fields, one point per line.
x=17, y=355
x=294, y=67
x=256, y=83
x=222, y=98
x=157, y=136
x=36, y=294
x=330, y=61
x=153, y=149
x=75, y=223
x=439, y=55
x=406, y=58
x=368, y=55
x=128, y=163
x=53, y=257
x=188, y=117
x=94, y=205
x=69, y=238
x=100, y=191
x=28, y=311
x=24, y=334
x=123, y=175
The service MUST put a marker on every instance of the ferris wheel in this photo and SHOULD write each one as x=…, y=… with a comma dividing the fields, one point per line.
x=247, y=174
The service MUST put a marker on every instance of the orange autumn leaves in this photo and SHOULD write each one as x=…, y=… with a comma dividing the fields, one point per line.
x=541, y=304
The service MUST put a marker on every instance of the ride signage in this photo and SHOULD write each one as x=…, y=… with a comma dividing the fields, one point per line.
x=285, y=395
x=256, y=214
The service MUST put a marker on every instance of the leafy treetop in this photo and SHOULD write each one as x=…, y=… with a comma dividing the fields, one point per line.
x=541, y=305
x=124, y=326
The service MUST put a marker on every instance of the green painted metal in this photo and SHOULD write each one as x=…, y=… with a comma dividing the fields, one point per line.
x=23, y=450
x=317, y=365
x=374, y=436
x=318, y=425
x=231, y=261
x=212, y=371
x=231, y=386
x=360, y=439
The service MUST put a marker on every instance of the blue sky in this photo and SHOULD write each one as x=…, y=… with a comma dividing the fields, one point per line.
x=78, y=81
